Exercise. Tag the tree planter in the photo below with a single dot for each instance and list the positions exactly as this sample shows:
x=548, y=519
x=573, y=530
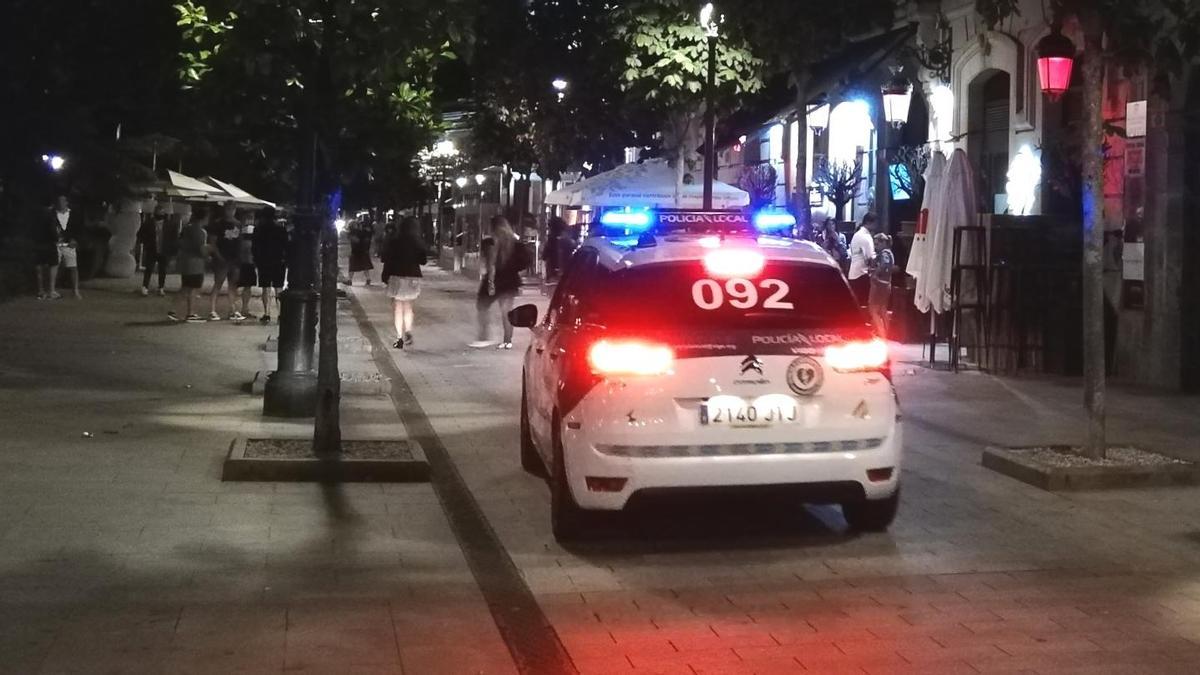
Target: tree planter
x=1063, y=468
x=291, y=460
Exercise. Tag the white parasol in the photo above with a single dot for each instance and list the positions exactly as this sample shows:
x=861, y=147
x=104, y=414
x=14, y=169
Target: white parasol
x=956, y=208
x=933, y=192
x=649, y=184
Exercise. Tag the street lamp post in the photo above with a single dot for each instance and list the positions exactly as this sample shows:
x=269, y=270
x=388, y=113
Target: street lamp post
x=479, y=180
x=710, y=25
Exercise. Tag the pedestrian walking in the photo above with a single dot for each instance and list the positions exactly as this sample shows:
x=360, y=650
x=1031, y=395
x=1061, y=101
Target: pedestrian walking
x=505, y=257
x=361, y=234
x=269, y=248
x=247, y=276
x=153, y=236
x=862, y=254
x=881, y=284
x=833, y=242
x=403, y=254
x=224, y=238
x=194, y=250
x=54, y=245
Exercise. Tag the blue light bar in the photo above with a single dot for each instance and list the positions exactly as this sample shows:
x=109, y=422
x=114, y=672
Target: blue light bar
x=773, y=220
x=627, y=219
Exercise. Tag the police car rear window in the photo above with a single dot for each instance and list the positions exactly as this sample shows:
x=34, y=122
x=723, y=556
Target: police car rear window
x=783, y=295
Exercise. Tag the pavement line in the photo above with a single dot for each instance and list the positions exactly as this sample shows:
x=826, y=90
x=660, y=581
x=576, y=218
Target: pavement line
x=525, y=629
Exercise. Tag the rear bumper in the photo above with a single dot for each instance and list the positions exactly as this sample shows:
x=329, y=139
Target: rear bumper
x=819, y=472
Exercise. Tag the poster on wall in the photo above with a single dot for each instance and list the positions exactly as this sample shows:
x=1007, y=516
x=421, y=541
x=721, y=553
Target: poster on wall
x=1135, y=119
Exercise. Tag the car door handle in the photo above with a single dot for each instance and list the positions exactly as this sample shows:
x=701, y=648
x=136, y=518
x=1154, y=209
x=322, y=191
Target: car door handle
x=539, y=349
x=555, y=353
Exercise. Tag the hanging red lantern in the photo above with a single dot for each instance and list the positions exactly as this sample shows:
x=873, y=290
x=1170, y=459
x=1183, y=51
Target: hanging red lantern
x=1055, y=61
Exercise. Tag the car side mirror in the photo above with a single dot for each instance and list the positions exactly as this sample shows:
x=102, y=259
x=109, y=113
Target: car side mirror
x=525, y=316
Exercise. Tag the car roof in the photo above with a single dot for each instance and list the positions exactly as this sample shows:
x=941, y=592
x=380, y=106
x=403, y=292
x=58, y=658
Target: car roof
x=623, y=253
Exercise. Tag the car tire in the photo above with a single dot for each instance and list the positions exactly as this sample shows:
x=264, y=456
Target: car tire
x=566, y=518
x=531, y=461
x=871, y=515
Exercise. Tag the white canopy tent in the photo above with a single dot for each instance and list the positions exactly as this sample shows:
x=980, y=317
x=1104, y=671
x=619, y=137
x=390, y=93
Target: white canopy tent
x=650, y=184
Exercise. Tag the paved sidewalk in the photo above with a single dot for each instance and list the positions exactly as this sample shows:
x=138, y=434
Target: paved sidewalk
x=122, y=551
x=979, y=574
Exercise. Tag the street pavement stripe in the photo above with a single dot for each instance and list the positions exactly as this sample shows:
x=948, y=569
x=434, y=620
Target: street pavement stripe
x=526, y=630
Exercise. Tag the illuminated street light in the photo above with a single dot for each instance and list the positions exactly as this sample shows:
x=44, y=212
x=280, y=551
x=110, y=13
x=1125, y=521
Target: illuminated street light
x=445, y=149
x=560, y=86
x=461, y=182
x=818, y=118
x=55, y=162
x=1055, y=61
x=480, y=178
x=897, y=96
x=339, y=224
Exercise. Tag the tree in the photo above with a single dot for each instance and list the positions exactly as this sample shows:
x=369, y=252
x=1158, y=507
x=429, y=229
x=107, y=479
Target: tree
x=907, y=169
x=793, y=37
x=666, y=65
x=1159, y=33
x=838, y=182
x=521, y=121
x=321, y=87
x=760, y=182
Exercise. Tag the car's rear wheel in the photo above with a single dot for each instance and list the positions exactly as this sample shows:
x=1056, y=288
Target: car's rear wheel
x=530, y=460
x=871, y=515
x=566, y=518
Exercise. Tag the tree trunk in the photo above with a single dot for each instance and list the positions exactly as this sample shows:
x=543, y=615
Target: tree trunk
x=327, y=431
x=802, y=206
x=1093, y=232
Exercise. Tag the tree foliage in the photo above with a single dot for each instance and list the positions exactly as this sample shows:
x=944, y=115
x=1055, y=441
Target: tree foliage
x=358, y=74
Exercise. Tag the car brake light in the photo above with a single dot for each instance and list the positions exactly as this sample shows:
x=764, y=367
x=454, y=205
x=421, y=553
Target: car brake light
x=630, y=357
x=733, y=263
x=857, y=356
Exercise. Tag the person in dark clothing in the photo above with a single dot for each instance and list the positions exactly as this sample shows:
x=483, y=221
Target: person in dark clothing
x=153, y=237
x=268, y=248
x=504, y=257
x=403, y=255
x=361, y=234
x=224, y=236
x=55, y=244
x=559, y=247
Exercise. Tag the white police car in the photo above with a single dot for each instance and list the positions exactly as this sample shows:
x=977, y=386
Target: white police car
x=698, y=351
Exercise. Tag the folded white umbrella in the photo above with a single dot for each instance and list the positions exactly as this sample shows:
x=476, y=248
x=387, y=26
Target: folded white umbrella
x=650, y=184
x=933, y=192
x=957, y=208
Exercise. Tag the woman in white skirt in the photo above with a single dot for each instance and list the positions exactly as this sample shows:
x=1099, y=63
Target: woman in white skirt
x=403, y=255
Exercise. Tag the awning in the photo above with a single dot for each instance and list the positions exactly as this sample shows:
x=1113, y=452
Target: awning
x=648, y=184
x=237, y=195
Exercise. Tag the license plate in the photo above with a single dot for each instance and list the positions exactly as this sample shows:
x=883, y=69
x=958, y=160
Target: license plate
x=748, y=415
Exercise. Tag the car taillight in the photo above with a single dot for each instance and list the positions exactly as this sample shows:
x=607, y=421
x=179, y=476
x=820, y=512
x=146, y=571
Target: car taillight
x=630, y=357
x=858, y=356
x=728, y=263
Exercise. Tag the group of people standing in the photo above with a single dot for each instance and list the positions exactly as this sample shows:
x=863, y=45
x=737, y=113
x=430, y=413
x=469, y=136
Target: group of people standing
x=868, y=263
x=240, y=252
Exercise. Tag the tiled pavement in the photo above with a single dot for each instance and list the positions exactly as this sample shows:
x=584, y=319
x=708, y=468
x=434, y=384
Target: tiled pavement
x=123, y=552
x=979, y=574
